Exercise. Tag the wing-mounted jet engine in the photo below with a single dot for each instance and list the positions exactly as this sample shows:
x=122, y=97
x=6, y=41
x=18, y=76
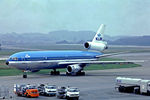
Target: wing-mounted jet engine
x=75, y=69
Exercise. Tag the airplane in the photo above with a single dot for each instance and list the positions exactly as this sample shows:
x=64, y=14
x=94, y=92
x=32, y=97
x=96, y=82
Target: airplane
x=73, y=61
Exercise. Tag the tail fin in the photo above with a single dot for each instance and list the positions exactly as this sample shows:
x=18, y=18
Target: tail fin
x=99, y=35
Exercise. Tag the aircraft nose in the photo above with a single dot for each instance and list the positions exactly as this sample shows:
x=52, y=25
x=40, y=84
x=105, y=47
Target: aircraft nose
x=7, y=62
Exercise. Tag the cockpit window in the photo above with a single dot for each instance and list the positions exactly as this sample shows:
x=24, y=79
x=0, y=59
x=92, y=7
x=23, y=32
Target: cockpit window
x=15, y=58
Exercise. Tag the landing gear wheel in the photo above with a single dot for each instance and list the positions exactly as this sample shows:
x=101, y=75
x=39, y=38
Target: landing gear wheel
x=83, y=73
x=68, y=74
x=80, y=73
x=52, y=72
x=55, y=72
x=24, y=76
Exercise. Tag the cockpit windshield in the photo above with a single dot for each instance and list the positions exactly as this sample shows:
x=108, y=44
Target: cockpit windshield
x=73, y=90
x=13, y=58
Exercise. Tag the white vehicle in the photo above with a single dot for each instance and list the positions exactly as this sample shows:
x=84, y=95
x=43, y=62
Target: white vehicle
x=72, y=93
x=130, y=85
x=49, y=90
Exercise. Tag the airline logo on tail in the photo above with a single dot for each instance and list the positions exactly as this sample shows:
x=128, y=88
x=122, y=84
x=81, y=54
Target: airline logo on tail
x=99, y=34
x=99, y=38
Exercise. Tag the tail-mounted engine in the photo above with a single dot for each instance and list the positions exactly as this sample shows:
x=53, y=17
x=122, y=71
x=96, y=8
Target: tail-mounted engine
x=97, y=43
x=98, y=46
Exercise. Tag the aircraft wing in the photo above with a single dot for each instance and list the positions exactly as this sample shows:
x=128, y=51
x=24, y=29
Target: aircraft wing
x=100, y=62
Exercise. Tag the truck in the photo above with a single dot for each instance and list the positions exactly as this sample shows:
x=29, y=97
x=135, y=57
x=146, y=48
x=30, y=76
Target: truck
x=47, y=90
x=133, y=85
x=26, y=90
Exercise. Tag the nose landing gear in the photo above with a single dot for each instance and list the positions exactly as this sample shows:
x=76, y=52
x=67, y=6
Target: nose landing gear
x=24, y=74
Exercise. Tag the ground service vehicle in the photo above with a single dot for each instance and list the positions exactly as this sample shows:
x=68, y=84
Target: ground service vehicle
x=69, y=93
x=61, y=92
x=45, y=89
x=72, y=93
x=138, y=86
x=26, y=90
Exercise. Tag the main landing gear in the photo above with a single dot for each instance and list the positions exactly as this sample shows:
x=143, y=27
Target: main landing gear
x=76, y=73
x=55, y=72
x=24, y=74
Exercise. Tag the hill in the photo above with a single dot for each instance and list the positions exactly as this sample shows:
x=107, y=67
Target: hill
x=68, y=37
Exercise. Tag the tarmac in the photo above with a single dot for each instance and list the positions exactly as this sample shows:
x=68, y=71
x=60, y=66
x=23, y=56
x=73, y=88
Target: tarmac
x=96, y=85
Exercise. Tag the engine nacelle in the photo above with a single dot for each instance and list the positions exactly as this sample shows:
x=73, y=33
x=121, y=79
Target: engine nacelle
x=98, y=46
x=74, y=68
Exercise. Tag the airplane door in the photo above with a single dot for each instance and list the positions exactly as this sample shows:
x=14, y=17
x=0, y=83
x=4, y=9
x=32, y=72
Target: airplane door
x=27, y=66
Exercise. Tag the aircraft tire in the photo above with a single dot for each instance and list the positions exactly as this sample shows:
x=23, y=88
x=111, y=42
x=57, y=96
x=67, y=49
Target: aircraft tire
x=24, y=76
x=52, y=73
x=68, y=74
x=57, y=73
x=83, y=73
x=80, y=74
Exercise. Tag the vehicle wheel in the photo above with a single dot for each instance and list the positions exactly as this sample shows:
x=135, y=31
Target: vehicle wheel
x=11, y=97
x=67, y=97
x=28, y=95
x=136, y=90
x=77, y=98
x=148, y=92
x=24, y=76
x=121, y=89
x=45, y=94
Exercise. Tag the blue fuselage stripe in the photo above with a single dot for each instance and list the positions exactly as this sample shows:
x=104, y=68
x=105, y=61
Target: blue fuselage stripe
x=52, y=55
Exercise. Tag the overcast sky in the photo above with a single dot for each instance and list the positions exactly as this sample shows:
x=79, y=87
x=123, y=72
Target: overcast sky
x=122, y=17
